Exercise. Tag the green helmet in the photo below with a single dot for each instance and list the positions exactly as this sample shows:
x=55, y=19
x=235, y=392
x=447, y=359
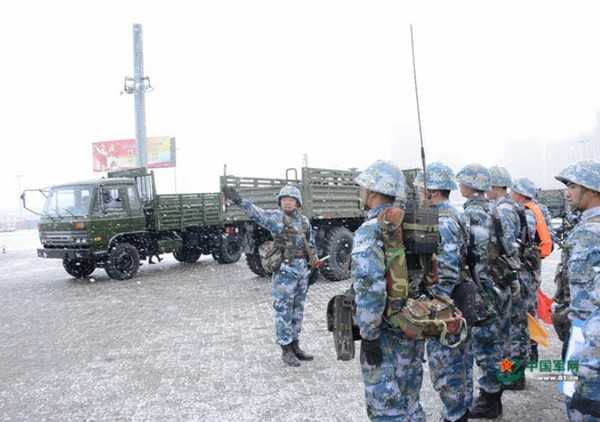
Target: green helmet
x=525, y=187
x=290, y=191
x=500, y=177
x=585, y=173
x=439, y=177
x=475, y=176
x=384, y=177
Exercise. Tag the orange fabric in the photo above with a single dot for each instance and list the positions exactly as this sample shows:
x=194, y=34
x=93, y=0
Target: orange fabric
x=541, y=228
x=544, y=305
x=537, y=332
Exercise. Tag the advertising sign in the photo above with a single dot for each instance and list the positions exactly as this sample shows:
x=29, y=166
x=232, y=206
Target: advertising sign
x=120, y=154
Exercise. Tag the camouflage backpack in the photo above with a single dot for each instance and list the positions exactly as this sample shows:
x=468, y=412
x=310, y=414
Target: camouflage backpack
x=423, y=316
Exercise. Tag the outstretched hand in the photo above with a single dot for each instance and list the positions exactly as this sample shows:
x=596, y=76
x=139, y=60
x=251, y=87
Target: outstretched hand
x=232, y=194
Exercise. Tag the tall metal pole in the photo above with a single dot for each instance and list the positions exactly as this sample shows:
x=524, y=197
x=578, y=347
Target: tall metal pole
x=20, y=225
x=141, y=154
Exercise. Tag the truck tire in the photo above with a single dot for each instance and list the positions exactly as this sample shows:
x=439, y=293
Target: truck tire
x=229, y=252
x=123, y=262
x=79, y=268
x=187, y=254
x=253, y=261
x=338, y=245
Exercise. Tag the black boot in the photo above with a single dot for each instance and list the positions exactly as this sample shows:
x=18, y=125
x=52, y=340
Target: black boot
x=300, y=354
x=463, y=418
x=288, y=355
x=487, y=405
x=516, y=385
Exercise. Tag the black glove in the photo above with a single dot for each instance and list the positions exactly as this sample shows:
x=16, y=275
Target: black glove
x=585, y=406
x=371, y=350
x=232, y=194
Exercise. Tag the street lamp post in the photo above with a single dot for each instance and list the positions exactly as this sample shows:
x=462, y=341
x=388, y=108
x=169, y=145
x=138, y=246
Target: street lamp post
x=20, y=224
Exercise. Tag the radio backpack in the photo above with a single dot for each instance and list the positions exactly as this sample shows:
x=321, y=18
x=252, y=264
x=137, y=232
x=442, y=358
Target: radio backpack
x=426, y=316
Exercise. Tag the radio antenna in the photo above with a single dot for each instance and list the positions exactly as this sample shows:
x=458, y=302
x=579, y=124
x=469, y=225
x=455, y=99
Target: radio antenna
x=412, y=44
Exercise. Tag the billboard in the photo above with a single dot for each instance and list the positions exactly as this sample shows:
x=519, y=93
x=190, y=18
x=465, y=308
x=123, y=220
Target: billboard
x=120, y=154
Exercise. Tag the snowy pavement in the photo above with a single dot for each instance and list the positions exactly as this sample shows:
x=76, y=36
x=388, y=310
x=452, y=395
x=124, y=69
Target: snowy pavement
x=184, y=342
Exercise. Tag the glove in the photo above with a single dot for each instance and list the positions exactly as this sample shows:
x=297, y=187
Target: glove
x=371, y=350
x=515, y=291
x=232, y=194
x=585, y=406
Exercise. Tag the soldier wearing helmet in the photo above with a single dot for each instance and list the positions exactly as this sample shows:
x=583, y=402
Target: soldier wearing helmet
x=390, y=361
x=488, y=340
x=447, y=365
x=290, y=283
x=511, y=216
x=583, y=244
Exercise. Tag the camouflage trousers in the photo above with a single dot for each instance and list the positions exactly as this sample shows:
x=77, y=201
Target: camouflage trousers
x=489, y=340
x=520, y=343
x=289, y=289
x=392, y=389
x=448, y=372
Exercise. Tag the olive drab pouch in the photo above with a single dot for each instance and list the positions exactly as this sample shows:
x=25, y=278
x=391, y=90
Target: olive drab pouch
x=432, y=316
x=271, y=256
x=531, y=257
x=341, y=310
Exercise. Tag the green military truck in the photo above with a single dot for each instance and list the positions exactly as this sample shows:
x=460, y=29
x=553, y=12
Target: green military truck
x=115, y=222
x=331, y=201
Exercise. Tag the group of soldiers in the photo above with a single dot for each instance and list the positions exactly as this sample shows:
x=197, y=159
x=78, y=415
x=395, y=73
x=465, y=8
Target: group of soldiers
x=391, y=361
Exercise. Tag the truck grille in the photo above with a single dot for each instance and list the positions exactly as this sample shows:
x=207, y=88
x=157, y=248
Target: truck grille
x=64, y=239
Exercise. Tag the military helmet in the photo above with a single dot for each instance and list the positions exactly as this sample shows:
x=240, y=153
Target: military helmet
x=585, y=173
x=475, y=176
x=500, y=177
x=384, y=177
x=439, y=177
x=525, y=187
x=290, y=191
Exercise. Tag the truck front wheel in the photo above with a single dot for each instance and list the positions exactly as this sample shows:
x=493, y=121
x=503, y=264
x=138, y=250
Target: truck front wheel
x=79, y=268
x=123, y=262
x=338, y=245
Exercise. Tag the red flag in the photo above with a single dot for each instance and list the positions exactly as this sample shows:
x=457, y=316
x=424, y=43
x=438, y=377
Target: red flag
x=544, y=307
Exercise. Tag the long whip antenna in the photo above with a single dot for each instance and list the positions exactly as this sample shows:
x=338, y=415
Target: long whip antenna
x=412, y=44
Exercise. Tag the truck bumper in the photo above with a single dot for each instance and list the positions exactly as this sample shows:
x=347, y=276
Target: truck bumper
x=65, y=253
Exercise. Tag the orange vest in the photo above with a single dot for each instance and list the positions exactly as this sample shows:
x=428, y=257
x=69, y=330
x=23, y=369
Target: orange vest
x=545, y=245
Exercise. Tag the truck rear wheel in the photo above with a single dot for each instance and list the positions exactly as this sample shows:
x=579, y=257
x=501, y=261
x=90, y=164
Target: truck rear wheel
x=123, y=262
x=79, y=268
x=253, y=261
x=229, y=252
x=187, y=254
x=338, y=245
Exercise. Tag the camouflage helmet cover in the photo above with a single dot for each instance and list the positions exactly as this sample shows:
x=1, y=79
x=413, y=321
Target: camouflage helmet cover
x=525, y=187
x=290, y=191
x=475, y=176
x=585, y=173
x=384, y=177
x=500, y=177
x=439, y=177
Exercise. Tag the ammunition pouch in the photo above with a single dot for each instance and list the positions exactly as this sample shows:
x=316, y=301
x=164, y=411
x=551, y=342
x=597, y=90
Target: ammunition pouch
x=531, y=257
x=341, y=310
x=504, y=270
x=475, y=305
x=427, y=317
x=271, y=256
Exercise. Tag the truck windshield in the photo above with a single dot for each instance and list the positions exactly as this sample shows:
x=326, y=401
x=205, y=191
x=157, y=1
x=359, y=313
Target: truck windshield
x=68, y=201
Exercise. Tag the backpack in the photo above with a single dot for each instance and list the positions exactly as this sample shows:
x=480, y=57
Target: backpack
x=423, y=316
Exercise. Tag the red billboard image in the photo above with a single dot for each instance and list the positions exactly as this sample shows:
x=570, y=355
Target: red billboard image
x=120, y=154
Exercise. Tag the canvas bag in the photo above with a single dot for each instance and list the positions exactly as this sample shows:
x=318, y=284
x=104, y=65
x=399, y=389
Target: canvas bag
x=428, y=316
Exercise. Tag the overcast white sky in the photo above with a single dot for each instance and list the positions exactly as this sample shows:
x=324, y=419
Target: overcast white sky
x=257, y=84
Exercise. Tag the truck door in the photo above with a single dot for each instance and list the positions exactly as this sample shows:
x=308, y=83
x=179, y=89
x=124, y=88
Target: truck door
x=110, y=211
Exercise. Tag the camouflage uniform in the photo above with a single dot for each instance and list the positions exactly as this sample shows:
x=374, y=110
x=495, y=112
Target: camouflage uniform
x=583, y=244
x=391, y=388
x=489, y=339
x=290, y=283
x=447, y=366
